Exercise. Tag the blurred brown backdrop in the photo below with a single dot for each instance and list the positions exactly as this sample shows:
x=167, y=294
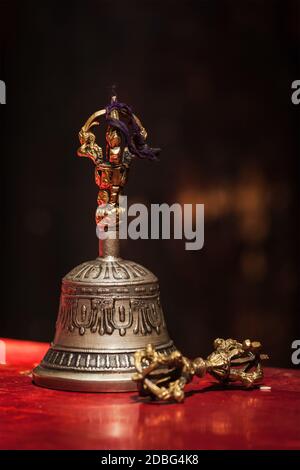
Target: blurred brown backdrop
x=212, y=83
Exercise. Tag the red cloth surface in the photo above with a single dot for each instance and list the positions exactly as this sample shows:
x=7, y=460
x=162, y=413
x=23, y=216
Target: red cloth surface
x=37, y=418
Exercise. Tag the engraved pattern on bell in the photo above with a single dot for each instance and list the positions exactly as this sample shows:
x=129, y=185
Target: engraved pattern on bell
x=108, y=310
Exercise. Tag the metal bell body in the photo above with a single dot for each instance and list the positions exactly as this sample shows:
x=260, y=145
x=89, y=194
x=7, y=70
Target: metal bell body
x=109, y=308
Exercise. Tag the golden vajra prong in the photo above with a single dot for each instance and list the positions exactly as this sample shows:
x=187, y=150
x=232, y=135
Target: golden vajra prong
x=125, y=140
x=164, y=376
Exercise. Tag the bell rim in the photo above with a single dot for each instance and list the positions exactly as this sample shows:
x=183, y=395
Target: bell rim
x=83, y=382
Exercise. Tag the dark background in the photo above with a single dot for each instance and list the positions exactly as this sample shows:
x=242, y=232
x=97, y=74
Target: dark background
x=211, y=81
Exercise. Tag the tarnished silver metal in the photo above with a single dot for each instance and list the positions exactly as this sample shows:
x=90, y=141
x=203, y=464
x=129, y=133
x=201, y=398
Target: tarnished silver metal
x=109, y=309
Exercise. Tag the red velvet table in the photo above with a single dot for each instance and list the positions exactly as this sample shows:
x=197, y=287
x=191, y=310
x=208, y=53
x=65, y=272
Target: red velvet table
x=210, y=418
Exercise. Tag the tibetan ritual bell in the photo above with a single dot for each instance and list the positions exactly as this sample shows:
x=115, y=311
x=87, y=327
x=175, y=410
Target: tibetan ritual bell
x=109, y=307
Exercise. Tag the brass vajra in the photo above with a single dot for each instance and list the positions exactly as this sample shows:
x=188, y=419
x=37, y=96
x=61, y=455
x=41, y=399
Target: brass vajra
x=164, y=376
x=125, y=140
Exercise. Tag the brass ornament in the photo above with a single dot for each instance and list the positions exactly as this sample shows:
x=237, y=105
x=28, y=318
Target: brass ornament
x=109, y=307
x=163, y=376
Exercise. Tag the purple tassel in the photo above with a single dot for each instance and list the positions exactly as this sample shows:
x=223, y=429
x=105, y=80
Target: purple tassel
x=130, y=131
